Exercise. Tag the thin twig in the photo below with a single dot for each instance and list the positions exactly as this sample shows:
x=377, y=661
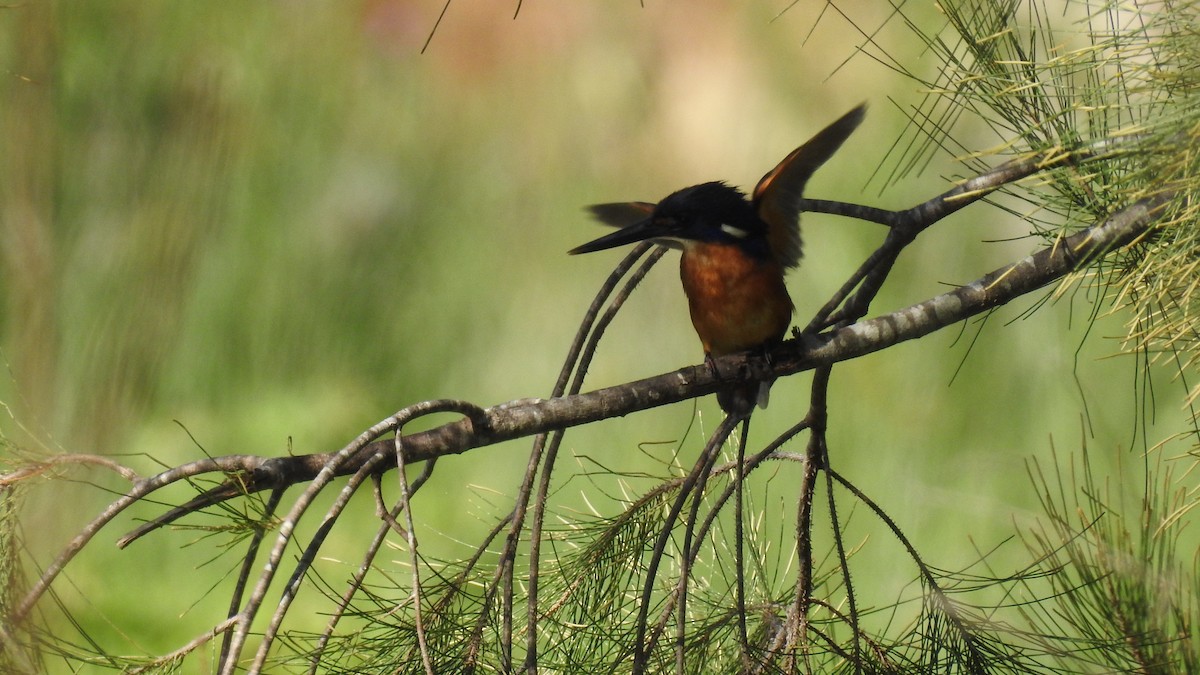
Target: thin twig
x=844, y=563
x=977, y=658
x=739, y=563
x=814, y=459
x=414, y=559
x=555, y=441
x=192, y=645
x=389, y=524
x=239, y=588
x=303, y=565
x=505, y=569
x=641, y=649
x=287, y=528
x=769, y=452
x=45, y=464
x=687, y=559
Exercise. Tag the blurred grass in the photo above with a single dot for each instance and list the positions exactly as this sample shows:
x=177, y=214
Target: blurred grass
x=278, y=221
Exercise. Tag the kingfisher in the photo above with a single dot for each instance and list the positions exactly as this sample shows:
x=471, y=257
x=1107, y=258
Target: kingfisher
x=735, y=251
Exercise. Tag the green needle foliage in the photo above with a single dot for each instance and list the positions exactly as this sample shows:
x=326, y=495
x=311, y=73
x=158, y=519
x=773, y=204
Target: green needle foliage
x=1119, y=80
x=1123, y=597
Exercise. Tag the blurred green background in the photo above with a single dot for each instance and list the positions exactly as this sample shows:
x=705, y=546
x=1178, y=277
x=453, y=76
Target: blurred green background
x=273, y=224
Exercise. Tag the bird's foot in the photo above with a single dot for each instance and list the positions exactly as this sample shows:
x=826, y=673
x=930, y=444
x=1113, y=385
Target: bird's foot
x=712, y=365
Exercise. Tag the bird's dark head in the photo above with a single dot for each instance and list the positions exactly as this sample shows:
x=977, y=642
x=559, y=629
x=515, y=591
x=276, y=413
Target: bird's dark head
x=709, y=212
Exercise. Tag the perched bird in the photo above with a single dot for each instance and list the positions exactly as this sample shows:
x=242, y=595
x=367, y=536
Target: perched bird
x=735, y=251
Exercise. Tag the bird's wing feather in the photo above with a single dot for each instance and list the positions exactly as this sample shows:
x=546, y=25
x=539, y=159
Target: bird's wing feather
x=621, y=214
x=777, y=195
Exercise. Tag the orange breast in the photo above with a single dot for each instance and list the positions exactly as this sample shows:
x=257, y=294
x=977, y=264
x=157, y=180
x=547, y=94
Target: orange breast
x=737, y=302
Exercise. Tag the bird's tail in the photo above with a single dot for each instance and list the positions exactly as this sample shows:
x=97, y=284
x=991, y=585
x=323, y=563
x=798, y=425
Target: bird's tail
x=741, y=398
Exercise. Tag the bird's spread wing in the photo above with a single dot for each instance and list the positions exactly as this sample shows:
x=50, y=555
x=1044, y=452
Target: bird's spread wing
x=621, y=214
x=777, y=196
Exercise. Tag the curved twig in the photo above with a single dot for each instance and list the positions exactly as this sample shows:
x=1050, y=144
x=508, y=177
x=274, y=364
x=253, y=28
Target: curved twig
x=977, y=658
x=414, y=560
x=688, y=558
x=578, y=356
x=844, y=563
x=287, y=527
x=239, y=589
x=555, y=441
x=699, y=471
x=389, y=524
x=745, y=467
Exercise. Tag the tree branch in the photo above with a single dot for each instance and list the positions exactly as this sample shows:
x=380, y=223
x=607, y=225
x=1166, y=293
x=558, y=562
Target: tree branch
x=525, y=417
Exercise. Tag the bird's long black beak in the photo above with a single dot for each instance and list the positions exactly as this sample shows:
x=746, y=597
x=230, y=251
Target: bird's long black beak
x=639, y=231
